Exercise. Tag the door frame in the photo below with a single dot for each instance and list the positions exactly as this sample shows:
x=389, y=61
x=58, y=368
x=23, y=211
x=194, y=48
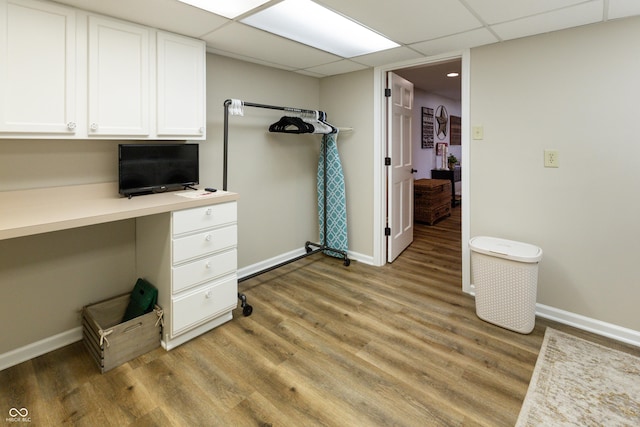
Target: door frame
x=379, y=152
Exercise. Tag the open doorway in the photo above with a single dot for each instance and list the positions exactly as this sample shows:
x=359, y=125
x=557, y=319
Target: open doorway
x=430, y=96
x=437, y=113
x=461, y=98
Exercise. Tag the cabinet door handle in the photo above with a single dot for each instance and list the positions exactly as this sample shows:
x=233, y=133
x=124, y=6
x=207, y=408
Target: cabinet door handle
x=94, y=126
x=71, y=125
x=201, y=130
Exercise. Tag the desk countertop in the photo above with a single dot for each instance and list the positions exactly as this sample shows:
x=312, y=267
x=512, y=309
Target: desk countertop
x=42, y=210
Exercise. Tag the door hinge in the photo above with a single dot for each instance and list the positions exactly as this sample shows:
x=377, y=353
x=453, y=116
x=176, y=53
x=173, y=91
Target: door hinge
x=387, y=161
x=387, y=92
x=387, y=231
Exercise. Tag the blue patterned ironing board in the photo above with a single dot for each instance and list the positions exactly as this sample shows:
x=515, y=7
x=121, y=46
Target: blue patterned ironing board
x=336, y=237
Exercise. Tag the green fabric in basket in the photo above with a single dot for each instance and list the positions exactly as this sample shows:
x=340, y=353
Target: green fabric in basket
x=143, y=298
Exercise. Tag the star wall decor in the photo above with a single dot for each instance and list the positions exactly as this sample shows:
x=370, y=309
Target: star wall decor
x=442, y=117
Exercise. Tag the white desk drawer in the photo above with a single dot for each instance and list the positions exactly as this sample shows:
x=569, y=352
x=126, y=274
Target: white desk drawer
x=204, y=217
x=205, y=303
x=204, y=269
x=209, y=241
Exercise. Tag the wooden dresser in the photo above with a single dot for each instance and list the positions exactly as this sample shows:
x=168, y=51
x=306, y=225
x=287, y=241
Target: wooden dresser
x=432, y=200
x=454, y=176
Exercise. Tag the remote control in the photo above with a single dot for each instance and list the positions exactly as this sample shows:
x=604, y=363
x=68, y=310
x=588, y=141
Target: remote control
x=210, y=190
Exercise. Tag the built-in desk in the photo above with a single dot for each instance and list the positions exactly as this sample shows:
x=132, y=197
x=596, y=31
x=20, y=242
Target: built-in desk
x=29, y=212
x=185, y=244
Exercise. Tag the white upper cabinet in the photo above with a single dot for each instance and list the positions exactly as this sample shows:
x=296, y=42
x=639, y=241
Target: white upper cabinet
x=181, y=86
x=68, y=73
x=119, y=78
x=37, y=68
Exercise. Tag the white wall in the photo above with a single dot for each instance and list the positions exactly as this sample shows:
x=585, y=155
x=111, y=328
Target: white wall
x=274, y=173
x=29, y=163
x=348, y=99
x=576, y=91
x=45, y=280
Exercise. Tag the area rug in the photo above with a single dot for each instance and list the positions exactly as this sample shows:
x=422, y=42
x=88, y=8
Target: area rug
x=579, y=383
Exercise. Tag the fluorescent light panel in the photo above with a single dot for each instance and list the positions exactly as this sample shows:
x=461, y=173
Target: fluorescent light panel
x=229, y=9
x=307, y=22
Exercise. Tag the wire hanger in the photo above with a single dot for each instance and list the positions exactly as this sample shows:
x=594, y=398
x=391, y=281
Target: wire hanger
x=309, y=122
x=291, y=124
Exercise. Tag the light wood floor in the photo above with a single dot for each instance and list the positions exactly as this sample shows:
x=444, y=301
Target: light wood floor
x=326, y=345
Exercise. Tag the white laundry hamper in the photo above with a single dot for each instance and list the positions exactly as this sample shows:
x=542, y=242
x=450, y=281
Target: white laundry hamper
x=505, y=276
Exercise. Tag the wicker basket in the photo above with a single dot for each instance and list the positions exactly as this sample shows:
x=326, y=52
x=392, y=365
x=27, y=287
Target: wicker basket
x=505, y=291
x=112, y=342
x=432, y=200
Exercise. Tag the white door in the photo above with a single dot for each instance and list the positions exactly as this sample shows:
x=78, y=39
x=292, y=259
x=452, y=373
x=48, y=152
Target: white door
x=400, y=169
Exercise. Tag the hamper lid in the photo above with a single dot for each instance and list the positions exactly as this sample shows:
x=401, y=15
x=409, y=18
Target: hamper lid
x=508, y=249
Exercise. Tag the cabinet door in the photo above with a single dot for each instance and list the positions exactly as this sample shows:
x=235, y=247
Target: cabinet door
x=118, y=78
x=181, y=86
x=37, y=60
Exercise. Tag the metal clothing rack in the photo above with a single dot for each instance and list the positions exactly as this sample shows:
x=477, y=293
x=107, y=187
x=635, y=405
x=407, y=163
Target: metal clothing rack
x=319, y=247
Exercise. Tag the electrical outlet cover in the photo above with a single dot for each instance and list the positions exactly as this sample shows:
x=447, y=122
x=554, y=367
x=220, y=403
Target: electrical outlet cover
x=551, y=158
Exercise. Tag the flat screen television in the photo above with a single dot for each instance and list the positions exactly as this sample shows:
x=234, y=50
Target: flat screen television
x=156, y=168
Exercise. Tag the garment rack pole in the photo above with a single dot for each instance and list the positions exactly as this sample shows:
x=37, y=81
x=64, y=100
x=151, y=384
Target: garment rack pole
x=320, y=247
x=227, y=103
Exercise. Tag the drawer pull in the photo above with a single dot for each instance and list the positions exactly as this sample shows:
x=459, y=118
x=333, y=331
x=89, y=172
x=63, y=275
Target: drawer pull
x=208, y=264
x=207, y=237
x=209, y=211
x=207, y=294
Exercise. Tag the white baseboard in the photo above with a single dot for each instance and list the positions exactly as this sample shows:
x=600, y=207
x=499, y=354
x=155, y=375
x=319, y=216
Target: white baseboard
x=609, y=330
x=365, y=259
x=38, y=348
x=598, y=327
x=268, y=263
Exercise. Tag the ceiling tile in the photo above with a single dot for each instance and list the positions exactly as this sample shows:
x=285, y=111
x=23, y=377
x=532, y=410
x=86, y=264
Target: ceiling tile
x=252, y=43
x=409, y=21
x=496, y=11
x=425, y=27
x=249, y=59
x=623, y=8
x=169, y=15
x=461, y=41
x=388, y=56
x=311, y=74
x=586, y=13
x=338, y=67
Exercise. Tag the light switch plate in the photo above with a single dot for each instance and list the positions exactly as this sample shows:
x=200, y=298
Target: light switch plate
x=477, y=132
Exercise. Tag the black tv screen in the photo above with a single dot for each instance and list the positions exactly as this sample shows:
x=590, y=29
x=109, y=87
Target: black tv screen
x=156, y=168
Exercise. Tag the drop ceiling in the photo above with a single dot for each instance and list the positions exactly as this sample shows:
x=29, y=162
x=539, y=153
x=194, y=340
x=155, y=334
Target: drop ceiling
x=423, y=28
